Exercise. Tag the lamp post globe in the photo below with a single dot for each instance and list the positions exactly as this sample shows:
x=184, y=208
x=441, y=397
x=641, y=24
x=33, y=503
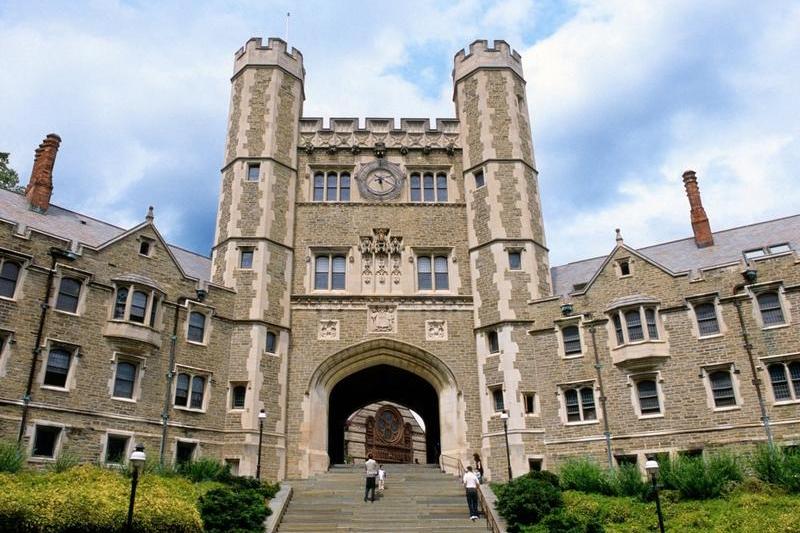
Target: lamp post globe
x=137, y=460
x=262, y=415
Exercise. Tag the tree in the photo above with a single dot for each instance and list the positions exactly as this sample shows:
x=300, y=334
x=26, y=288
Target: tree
x=9, y=179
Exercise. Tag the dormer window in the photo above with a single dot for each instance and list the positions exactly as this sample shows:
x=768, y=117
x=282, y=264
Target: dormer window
x=145, y=247
x=623, y=268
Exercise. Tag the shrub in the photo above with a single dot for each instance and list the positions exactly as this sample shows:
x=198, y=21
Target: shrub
x=205, y=469
x=563, y=521
x=12, y=457
x=698, y=478
x=585, y=475
x=240, y=511
x=546, y=476
x=627, y=481
x=64, y=462
x=525, y=500
x=266, y=489
x=778, y=467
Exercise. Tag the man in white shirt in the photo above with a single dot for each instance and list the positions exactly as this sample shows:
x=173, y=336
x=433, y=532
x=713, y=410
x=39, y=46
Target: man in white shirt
x=471, y=483
x=371, y=470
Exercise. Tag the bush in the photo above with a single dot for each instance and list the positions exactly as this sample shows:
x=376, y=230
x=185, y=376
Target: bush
x=627, y=481
x=240, y=511
x=267, y=490
x=205, y=469
x=700, y=479
x=585, y=475
x=778, y=467
x=563, y=521
x=546, y=476
x=64, y=462
x=526, y=500
x=12, y=457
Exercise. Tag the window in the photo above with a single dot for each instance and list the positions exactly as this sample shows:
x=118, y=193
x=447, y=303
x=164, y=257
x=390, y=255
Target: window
x=125, y=380
x=271, y=342
x=116, y=449
x=329, y=272
x=184, y=452
x=494, y=343
x=635, y=325
x=136, y=305
x=572, y=340
x=332, y=187
x=238, y=394
x=57, y=368
x=45, y=441
x=432, y=273
x=579, y=404
x=647, y=392
x=707, y=323
x=428, y=187
x=752, y=254
x=197, y=327
x=497, y=400
x=479, y=182
x=253, y=171
x=9, y=275
x=624, y=268
x=246, y=258
x=769, y=305
x=785, y=378
x=190, y=391
x=145, y=247
x=529, y=398
x=233, y=465
x=722, y=388
x=69, y=292
x=779, y=248
x=515, y=260
x=626, y=460
x=534, y=465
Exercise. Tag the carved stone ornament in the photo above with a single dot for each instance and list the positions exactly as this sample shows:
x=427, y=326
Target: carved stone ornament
x=436, y=330
x=328, y=330
x=380, y=180
x=382, y=319
x=380, y=257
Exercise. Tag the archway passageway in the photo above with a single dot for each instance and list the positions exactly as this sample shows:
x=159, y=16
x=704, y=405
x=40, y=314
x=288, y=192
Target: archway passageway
x=382, y=383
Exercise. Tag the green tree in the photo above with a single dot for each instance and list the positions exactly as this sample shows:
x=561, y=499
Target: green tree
x=9, y=179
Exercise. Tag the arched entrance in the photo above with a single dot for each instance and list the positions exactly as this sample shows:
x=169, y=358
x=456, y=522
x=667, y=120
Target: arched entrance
x=374, y=370
x=376, y=383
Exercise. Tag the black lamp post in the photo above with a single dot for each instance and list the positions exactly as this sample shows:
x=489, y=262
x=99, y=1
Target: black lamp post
x=651, y=467
x=504, y=418
x=137, y=460
x=261, y=416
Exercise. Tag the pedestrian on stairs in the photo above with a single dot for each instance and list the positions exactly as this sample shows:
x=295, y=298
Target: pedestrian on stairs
x=371, y=470
x=381, y=479
x=471, y=483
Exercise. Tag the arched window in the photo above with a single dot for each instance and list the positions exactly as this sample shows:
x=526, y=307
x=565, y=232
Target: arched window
x=182, y=390
x=198, y=390
x=648, y=397
x=769, y=304
x=706, y=314
x=416, y=187
x=572, y=340
x=579, y=404
x=9, y=275
x=197, y=327
x=58, y=361
x=238, y=395
x=138, y=307
x=634, y=321
x=319, y=187
x=124, y=380
x=722, y=388
x=69, y=291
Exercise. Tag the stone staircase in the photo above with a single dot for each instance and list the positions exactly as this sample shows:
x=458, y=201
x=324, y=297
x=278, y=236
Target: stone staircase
x=417, y=498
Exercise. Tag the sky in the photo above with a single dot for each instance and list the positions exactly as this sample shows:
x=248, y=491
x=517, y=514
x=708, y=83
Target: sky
x=624, y=96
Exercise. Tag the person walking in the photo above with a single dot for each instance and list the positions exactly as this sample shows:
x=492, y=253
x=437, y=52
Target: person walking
x=471, y=483
x=478, y=465
x=371, y=471
x=381, y=479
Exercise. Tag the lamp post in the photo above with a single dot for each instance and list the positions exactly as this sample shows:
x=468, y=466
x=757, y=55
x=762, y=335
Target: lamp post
x=504, y=418
x=137, y=460
x=651, y=467
x=261, y=416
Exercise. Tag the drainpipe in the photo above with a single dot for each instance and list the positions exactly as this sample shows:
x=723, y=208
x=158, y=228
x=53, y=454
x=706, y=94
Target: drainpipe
x=756, y=381
x=55, y=254
x=598, y=367
x=170, y=377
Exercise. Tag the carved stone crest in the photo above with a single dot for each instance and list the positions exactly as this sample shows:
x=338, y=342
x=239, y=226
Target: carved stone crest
x=328, y=330
x=436, y=330
x=382, y=319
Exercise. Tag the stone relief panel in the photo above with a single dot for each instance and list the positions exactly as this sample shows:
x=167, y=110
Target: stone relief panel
x=382, y=319
x=381, y=254
x=328, y=330
x=436, y=330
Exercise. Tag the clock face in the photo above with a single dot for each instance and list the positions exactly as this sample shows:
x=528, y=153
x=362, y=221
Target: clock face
x=381, y=182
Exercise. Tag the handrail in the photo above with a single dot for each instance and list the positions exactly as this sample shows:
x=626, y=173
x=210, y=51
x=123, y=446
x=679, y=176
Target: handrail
x=455, y=462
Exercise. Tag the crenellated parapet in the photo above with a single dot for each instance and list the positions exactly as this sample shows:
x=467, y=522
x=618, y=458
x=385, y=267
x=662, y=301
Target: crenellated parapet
x=480, y=55
x=275, y=53
x=347, y=134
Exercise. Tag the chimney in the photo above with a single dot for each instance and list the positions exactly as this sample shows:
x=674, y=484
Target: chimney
x=40, y=187
x=700, y=225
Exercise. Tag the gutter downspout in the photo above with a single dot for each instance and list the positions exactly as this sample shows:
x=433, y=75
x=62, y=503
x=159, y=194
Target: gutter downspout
x=170, y=377
x=598, y=367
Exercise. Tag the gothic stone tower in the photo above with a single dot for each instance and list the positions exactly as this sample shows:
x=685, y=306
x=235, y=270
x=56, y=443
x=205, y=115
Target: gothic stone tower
x=253, y=248
x=508, y=256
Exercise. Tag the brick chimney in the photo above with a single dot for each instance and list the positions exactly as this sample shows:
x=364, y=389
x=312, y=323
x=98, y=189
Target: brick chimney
x=40, y=187
x=700, y=225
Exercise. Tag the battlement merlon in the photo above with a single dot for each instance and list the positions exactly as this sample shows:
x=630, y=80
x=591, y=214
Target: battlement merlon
x=380, y=126
x=482, y=56
x=253, y=53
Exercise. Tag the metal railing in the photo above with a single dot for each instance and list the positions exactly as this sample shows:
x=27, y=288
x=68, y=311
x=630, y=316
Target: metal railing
x=449, y=464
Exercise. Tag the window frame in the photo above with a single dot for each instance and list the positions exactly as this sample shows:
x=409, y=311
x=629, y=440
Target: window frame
x=57, y=444
x=232, y=386
x=330, y=255
x=780, y=307
x=21, y=264
x=696, y=320
x=633, y=382
x=561, y=327
x=195, y=449
x=81, y=281
x=6, y=341
x=69, y=377
x=207, y=314
x=578, y=388
x=128, y=436
x=530, y=399
x=275, y=338
x=193, y=374
x=733, y=372
x=150, y=246
x=253, y=165
x=246, y=251
x=153, y=308
x=791, y=383
x=343, y=181
x=619, y=317
x=496, y=391
x=479, y=178
x=514, y=252
x=139, y=364
x=420, y=178
x=432, y=257
x=493, y=341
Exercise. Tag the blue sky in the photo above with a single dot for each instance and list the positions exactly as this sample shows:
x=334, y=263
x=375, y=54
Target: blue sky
x=624, y=97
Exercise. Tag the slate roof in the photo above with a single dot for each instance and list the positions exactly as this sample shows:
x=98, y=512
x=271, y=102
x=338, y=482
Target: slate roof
x=683, y=255
x=83, y=229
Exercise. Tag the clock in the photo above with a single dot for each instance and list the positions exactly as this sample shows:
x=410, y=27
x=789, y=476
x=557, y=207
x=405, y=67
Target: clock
x=380, y=180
